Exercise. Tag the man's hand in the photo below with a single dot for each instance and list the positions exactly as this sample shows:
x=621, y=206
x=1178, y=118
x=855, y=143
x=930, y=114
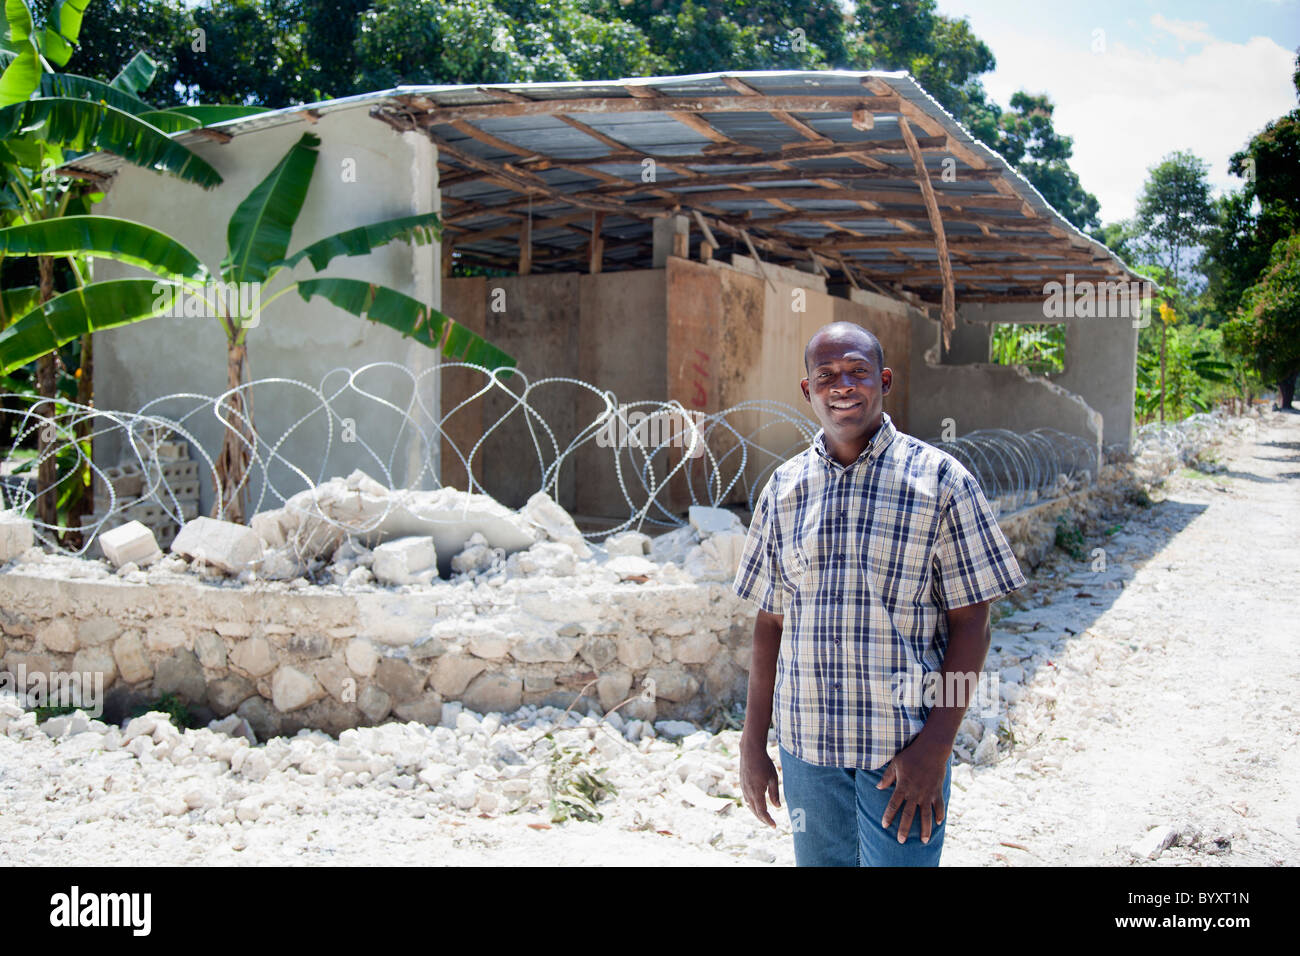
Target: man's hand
x=916, y=773
x=758, y=780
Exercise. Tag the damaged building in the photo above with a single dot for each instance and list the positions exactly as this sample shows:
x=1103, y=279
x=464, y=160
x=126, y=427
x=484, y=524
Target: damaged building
x=660, y=239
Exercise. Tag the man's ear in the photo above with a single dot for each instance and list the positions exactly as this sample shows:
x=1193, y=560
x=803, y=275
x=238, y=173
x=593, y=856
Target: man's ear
x=804, y=386
x=886, y=380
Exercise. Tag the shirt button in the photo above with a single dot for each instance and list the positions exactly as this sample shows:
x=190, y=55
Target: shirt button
x=837, y=640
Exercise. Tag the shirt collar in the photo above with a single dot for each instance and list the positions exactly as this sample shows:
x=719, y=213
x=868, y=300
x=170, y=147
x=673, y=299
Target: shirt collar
x=879, y=442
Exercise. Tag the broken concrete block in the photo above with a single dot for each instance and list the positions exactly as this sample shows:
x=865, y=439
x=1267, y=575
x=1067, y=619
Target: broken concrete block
x=15, y=535
x=710, y=521
x=132, y=543
x=269, y=527
x=402, y=561
x=543, y=513
x=222, y=544
x=631, y=543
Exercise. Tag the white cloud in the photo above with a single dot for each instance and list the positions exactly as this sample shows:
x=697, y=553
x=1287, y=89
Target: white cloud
x=1182, y=30
x=1127, y=108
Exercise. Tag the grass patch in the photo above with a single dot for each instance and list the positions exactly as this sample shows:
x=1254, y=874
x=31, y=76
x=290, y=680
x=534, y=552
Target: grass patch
x=1069, y=537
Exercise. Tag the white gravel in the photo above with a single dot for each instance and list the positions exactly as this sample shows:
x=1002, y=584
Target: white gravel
x=1156, y=694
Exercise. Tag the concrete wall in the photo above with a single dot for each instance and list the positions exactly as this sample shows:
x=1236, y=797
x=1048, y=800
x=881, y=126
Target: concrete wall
x=709, y=336
x=606, y=329
x=395, y=175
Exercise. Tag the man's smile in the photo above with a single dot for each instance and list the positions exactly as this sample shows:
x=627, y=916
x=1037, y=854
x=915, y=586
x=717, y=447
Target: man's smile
x=845, y=404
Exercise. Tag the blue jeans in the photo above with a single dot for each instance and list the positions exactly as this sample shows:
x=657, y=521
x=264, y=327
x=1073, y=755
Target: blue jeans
x=835, y=813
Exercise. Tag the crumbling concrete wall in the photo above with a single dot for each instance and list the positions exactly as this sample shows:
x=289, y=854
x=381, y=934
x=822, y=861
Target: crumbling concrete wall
x=1100, y=358
x=395, y=175
x=985, y=395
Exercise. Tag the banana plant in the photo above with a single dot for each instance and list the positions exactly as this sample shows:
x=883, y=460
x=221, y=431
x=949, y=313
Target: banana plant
x=257, y=238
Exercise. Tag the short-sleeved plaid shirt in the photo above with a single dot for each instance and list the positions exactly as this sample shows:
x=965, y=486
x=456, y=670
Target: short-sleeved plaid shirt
x=863, y=562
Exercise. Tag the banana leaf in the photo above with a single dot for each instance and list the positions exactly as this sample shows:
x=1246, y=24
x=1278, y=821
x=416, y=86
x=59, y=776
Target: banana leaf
x=104, y=237
x=101, y=305
x=363, y=240
x=410, y=317
x=259, y=231
x=84, y=125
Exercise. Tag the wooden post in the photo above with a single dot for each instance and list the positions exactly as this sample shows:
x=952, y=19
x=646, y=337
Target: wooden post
x=596, y=250
x=949, y=313
x=526, y=245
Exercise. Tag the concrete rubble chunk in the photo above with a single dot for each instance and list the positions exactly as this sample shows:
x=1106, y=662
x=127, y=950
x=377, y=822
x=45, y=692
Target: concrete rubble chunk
x=631, y=566
x=549, y=558
x=477, y=556
x=280, y=564
x=229, y=547
x=410, y=560
x=675, y=545
x=269, y=526
x=717, y=558
x=554, y=522
x=16, y=535
x=710, y=521
x=632, y=543
x=131, y=543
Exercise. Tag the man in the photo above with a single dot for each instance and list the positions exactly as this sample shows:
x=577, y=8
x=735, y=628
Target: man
x=873, y=558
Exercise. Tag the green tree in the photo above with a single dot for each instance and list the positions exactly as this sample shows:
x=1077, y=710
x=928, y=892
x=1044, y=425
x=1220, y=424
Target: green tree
x=1173, y=220
x=1253, y=220
x=1029, y=141
x=1266, y=329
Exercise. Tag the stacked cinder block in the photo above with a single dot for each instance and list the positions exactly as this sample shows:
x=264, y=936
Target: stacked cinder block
x=170, y=482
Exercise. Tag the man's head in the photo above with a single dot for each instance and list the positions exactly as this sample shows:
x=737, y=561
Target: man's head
x=847, y=381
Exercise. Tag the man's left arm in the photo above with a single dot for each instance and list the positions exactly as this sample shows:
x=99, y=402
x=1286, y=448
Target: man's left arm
x=973, y=566
x=917, y=771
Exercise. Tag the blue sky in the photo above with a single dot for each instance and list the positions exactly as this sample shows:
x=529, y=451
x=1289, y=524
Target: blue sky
x=1133, y=81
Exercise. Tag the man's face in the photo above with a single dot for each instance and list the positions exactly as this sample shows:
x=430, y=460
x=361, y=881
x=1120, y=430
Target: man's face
x=844, y=386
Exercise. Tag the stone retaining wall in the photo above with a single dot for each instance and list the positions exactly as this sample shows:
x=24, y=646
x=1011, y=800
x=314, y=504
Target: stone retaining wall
x=286, y=659
x=332, y=658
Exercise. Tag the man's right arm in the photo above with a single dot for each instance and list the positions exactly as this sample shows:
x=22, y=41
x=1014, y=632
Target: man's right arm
x=757, y=580
x=762, y=679
x=758, y=778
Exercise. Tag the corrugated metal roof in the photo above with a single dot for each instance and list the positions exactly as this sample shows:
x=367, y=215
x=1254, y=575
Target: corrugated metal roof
x=516, y=150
